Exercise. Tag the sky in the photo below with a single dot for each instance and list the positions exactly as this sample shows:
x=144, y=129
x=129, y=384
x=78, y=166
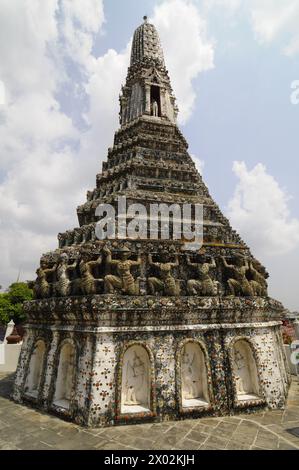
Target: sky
x=234, y=67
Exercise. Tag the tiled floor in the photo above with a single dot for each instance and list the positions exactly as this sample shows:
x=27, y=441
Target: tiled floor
x=25, y=428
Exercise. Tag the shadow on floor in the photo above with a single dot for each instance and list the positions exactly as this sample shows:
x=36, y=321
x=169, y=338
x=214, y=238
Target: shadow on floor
x=6, y=385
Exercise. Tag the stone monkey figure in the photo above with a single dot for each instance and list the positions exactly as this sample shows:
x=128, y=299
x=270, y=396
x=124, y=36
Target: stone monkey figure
x=166, y=284
x=258, y=283
x=124, y=280
x=85, y=234
x=88, y=283
x=204, y=285
x=42, y=287
x=77, y=236
x=61, y=239
x=238, y=283
x=64, y=284
x=69, y=237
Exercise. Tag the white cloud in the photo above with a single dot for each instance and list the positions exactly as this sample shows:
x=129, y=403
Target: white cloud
x=273, y=18
x=188, y=54
x=229, y=5
x=2, y=93
x=259, y=210
x=80, y=24
x=200, y=164
x=103, y=88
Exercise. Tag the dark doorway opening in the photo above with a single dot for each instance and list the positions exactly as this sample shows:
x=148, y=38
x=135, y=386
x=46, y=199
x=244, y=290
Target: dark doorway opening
x=155, y=97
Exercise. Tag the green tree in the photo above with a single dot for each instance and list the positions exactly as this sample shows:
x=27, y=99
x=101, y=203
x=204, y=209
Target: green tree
x=4, y=309
x=11, y=302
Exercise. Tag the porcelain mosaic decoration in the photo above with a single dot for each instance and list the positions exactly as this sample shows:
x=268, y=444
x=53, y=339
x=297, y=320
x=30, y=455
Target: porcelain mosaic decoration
x=124, y=331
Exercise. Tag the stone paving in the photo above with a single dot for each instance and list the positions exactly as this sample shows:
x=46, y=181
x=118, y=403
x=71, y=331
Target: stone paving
x=27, y=429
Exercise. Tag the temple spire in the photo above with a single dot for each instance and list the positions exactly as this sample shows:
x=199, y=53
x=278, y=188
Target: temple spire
x=148, y=90
x=146, y=44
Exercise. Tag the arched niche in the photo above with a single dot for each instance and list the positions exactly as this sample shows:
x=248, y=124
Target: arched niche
x=65, y=376
x=136, y=380
x=155, y=101
x=35, y=369
x=245, y=371
x=194, y=381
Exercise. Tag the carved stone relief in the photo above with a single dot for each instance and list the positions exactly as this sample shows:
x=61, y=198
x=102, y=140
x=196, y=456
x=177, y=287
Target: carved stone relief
x=35, y=370
x=194, y=376
x=245, y=371
x=135, y=394
x=65, y=376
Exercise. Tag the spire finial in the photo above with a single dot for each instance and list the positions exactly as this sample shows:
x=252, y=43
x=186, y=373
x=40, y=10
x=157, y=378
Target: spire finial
x=145, y=18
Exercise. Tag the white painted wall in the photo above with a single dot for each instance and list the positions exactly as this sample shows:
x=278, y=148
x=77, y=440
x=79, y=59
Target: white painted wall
x=9, y=353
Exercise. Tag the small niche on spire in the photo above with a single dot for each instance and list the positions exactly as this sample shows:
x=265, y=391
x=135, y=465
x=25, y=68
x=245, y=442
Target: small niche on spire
x=155, y=101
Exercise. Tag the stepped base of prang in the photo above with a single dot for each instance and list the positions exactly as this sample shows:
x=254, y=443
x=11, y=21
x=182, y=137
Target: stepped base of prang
x=101, y=328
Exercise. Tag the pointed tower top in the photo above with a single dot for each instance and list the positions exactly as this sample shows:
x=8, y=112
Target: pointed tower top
x=146, y=44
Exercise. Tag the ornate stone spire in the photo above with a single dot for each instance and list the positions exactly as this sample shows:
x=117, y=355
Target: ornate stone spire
x=147, y=91
x=124, y=307
x=146, y=44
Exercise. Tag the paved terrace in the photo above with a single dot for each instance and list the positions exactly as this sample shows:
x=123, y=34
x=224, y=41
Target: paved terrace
x=25, y=428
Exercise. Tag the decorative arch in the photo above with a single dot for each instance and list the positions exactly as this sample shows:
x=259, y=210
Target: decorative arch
x=35, y=369
x=194, y=375
x=65, y=378
x=245, y=373
x=135, y=381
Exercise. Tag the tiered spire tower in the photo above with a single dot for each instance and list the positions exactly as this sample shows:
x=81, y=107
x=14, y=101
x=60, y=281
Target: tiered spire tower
x=129, y=330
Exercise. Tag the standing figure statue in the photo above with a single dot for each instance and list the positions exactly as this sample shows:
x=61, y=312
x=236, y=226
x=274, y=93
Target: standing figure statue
x=239, y=365
x=258, y=283
x=88, y=283
x=189, y=381
x=135, y=383
x=123, y=281
x=238, y=284
x=42, y=287
x=204, y=285
x=166, y=284
x=155, y=109
x=64, y=284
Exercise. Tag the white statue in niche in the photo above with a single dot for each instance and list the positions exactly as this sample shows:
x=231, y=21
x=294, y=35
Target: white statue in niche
x=155, y=109
x=194, y=376
x=245, y=371
x=239, y=365
x=35, y=369
x=135, y=380
x=64, y=381
x=191, y=386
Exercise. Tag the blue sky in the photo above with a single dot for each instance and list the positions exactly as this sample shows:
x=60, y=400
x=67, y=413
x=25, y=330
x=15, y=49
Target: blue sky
x=231, y=62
